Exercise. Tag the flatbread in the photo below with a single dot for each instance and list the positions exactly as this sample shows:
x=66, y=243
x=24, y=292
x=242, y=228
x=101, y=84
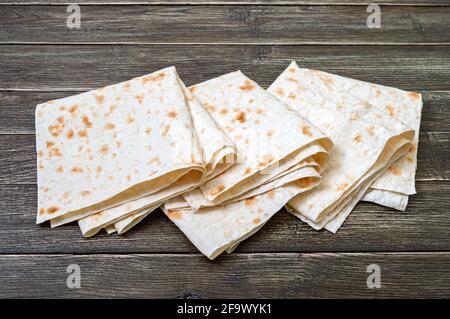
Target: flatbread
x=212, y=230
x=125, y=224
x=245, y=110
x=218, y=150
x=257, y=123
x=304, y=158
x=365, y=140
x=392, y=188
x=103, y=148
x=334, y=221
x=110, y=229
x=390, y=199
x=217, y=153
x=92, y=224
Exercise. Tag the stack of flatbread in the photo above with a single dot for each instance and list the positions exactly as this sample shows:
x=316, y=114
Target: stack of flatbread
x=374, y=128
x=222, y=157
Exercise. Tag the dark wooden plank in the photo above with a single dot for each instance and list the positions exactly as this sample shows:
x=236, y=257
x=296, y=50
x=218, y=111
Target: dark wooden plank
x=241, y=2
x=236, y=276
x=46, y=67
x=17, y=110
x=225, y=24
x=437, y=155
x=423, y=227
x=434, y=112
x=18, y=158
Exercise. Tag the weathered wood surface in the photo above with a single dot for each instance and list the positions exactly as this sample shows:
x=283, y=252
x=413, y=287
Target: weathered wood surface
x=423, y=227
x=281, y=275
x=225, y=24
x=17, y=110
x=205, y=39
x=241, y=2
x=80, y=67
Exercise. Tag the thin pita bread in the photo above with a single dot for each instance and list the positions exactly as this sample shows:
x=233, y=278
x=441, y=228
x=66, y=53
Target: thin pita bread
x=393, y=187
x=215, y=148
x=113, y=145
x=218, y=153
x=214, y=229
x=247, y=114
x=365, y=140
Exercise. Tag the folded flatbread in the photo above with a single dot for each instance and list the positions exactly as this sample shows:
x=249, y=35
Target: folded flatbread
x=218, y=154
x=255, y=190
x=393, y=187
x=110, y=146
x=307, y=178
x=366, y=141
x=213, y=230
x=258, y=124
x=273, y=178
x=178, y=203
x=110, y=229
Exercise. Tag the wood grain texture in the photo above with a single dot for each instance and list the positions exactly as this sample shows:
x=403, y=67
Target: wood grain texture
x=423, y=227
x=17, y=110
x=282, y=275
x=225, y=24
x=64, y=67
x=121, y=39
x=240, y=2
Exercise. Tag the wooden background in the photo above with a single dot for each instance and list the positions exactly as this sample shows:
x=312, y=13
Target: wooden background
x=41, y=59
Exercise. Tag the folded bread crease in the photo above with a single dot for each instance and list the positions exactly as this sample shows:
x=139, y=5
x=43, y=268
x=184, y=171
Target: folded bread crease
x=395, y=184
x=101, y=149
x=235, y=204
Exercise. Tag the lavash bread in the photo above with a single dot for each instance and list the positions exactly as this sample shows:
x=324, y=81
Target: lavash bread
x=92, y=224
x=306, y=168
x=393, y=187
x=256, y=198
x=216, y=149
x=110, y=229
x=305, y=179
x=386, y=198
x=277, y=177
x=224, y=156
x=332, y=223
x=247, y=112
x=100, y=149
x=125, y=224
x=257, y=123
x=214, y=229
x=365, y=140
x=218, y=153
